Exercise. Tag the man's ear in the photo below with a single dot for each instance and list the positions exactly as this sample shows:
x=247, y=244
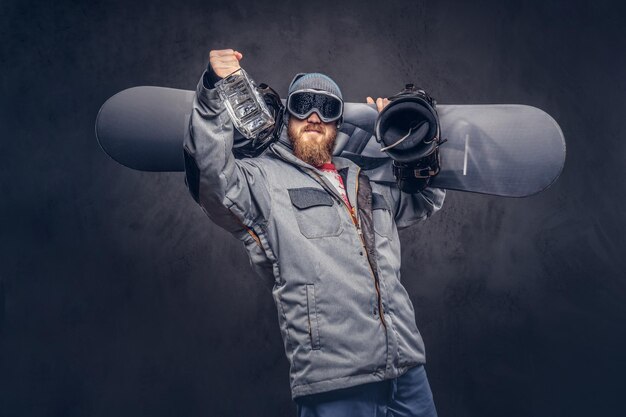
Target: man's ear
x=339, y=123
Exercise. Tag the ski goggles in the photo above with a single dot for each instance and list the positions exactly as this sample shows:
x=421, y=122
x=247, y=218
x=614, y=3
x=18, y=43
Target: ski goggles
x=302, y=103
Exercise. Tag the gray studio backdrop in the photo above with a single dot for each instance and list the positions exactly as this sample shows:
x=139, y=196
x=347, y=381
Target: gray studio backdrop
x=118, y=297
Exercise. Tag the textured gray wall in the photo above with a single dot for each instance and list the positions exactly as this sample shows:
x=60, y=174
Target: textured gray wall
x=118, y=297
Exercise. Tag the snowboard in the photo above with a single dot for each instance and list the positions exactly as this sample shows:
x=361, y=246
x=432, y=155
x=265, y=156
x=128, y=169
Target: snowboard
x=508, y=150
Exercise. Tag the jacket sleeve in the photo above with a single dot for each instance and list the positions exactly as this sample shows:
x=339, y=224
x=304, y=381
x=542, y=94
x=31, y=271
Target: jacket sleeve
x=233, y=193
x=411, y=208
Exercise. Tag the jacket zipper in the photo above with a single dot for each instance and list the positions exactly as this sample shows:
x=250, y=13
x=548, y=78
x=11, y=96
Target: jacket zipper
x=250, y=231
x=360, y=232
x=254, y=236
x=355, y=222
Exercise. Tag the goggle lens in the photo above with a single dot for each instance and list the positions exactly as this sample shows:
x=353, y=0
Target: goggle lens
x=302, y=104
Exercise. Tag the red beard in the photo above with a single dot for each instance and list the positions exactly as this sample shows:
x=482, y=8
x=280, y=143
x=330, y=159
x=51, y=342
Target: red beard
x=313, y=150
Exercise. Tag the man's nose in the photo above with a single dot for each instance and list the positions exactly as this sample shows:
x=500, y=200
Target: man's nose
x=313, y=118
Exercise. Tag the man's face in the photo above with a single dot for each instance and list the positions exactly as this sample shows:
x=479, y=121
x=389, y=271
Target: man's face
x=313, y=140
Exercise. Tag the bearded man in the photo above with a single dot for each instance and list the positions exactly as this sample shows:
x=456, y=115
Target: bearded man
x=326, y=239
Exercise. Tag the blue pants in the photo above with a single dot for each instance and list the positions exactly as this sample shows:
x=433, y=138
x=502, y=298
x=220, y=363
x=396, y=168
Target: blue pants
x=408, y=395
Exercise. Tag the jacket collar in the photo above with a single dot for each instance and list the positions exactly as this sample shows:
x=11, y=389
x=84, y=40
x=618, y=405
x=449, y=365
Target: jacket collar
x=286, y=154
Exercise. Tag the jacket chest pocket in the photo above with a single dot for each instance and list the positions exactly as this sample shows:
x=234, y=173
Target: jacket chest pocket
x=382, y=216
x=316, y=212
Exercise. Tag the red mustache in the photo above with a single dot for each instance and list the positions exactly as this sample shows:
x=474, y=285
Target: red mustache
x=313, y=128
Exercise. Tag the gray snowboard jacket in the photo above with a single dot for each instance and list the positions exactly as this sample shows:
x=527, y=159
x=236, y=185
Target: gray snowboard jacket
x=344, y=316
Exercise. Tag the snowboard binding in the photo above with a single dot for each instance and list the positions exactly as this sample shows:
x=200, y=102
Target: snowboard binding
x=410, y=133
x=251, y=148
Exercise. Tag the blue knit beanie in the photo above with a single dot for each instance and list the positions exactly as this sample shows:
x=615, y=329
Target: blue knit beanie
x=314, y=80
